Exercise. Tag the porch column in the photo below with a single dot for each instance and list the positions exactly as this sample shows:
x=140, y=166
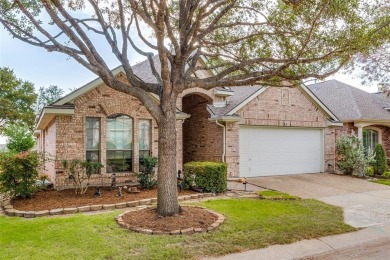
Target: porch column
x=360, y=132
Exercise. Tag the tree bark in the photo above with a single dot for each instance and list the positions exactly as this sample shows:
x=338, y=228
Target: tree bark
x=167, y=201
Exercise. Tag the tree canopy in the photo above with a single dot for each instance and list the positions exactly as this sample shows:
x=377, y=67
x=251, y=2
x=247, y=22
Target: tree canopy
x=17, y=99
x=199, y=43
x=47, y=96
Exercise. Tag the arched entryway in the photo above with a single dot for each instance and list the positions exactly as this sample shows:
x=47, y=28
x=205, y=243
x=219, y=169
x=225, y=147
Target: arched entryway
x=202, y=139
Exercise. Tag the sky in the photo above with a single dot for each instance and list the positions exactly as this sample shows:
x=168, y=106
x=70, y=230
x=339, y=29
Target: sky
x=42, y=68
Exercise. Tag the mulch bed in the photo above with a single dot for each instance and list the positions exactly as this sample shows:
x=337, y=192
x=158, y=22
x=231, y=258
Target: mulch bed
x=54, y=199
x=190, y=217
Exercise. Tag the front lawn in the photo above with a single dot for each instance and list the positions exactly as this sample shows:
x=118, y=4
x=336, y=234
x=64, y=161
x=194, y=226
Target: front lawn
x=249, y=224
x=382, y=181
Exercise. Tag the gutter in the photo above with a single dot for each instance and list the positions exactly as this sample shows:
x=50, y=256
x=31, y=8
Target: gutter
x=224, y=139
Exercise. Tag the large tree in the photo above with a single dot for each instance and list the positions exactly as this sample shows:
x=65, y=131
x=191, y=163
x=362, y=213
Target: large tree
x=242, y=42
x=46, y=96
x=17, y=98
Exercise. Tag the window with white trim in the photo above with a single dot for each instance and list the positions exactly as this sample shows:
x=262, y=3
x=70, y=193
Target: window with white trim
x=144, y=138
x=119, y=143
x=370, y=140
x=93, y=139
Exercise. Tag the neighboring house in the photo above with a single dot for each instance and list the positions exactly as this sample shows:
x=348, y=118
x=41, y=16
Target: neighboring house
x=257, y=131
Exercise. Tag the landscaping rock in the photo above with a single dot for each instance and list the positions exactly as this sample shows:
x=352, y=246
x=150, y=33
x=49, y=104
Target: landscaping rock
x=199, y=230
x=120, y=205
x=175, y=232
x=109, y=206
x=29, y=214
x=41, y=213
x=10, y=212
x=200, y=195
x=153, y=200
x=96, y=207
x=181, y=198
x=84, y=208
x=186, y=197
x=19, y=213
x=145, y=202
x=56, y=212
x=145, y=231
x=187, y=231
x=8, y=206
x=194, y=196
x=133, y=203
x=70, y=210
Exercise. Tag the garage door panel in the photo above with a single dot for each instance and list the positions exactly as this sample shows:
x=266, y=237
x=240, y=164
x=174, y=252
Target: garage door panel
x=278, y=151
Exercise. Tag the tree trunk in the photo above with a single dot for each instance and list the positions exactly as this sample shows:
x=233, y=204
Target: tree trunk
x=167, y=202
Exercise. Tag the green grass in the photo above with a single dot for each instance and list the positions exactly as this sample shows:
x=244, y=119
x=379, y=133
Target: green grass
x=249, y=224
x=382, y=181
x=276, y=195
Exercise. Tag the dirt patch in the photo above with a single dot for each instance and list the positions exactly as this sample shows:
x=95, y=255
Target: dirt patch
x=190, y=217
x=54, y=199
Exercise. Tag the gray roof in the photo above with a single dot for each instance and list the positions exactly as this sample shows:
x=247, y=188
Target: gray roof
x=349, y=103
x=240, y=95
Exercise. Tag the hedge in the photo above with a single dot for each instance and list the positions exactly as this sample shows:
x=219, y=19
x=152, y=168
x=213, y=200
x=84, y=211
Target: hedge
x=210, y=176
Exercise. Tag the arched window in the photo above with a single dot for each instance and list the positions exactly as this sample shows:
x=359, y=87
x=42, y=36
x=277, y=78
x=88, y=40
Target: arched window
x=119, y=143
x=370, y=140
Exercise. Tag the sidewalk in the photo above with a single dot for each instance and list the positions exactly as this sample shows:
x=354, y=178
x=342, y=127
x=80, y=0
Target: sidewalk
x=316, y=247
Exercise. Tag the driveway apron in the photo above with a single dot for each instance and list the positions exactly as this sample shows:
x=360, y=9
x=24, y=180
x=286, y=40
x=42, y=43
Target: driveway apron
x=364, y=203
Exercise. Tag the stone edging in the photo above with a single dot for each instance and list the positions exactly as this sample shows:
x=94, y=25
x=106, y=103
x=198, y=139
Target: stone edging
x=10, y=211
x=187, y=231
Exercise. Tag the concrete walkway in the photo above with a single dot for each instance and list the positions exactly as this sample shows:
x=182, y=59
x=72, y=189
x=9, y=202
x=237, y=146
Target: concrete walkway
x=322, y=248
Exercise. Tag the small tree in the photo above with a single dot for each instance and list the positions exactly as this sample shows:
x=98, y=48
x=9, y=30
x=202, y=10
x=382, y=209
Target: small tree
x=146, y=177
x=80, y=173
x=46, y=96
x=18, y=173
x=351, y=157
x=20, y=138
x=380, y=164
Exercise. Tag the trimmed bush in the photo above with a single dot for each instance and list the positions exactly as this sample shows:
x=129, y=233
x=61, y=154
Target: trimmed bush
x=210, y=176
x=370, y=171
x=146, y=177
x=18, y=173
x=386, y=175
x=351, y=159
x=380, y=164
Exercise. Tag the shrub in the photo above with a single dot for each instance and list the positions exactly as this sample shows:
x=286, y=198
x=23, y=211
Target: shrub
x=380, y=164
x=351, y=157
x=20, y=138
x=210, y=176
x=18, y=173
x=386, y=175
x=80, y=172
x=370, y=171
x=146, y=177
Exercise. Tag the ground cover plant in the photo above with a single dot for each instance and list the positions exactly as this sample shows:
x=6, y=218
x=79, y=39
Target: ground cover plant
x=249, y=224
x=382, y=181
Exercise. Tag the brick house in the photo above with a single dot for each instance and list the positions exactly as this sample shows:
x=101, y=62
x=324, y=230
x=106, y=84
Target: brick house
x=257, y=131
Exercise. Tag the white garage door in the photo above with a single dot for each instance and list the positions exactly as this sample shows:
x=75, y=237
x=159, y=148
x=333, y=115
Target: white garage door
x=266, y=151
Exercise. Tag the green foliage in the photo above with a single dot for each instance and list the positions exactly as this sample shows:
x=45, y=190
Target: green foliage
x=46, y=96
x=382, y=181
x=370, y=171
x=386, y=175
x=18, y=173
x=210, y=176
x=276, y=195
x=80, y=172
x=17, y=98
x=20, y=138
x=351, y=157
x=380, y=164
x=146, y=177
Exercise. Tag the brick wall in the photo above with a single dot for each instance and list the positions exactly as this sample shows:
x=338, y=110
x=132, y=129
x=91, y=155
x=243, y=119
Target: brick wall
x=202, y=139
x=99, y=102
x=279, y=106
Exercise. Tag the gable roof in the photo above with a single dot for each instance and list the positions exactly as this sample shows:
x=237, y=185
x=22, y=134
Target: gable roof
x=349, y=103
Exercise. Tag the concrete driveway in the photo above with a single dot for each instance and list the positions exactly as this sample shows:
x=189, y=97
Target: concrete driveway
x=364, y=203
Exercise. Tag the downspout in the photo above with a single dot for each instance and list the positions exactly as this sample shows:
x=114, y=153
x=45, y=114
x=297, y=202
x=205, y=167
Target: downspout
x=224, y=139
